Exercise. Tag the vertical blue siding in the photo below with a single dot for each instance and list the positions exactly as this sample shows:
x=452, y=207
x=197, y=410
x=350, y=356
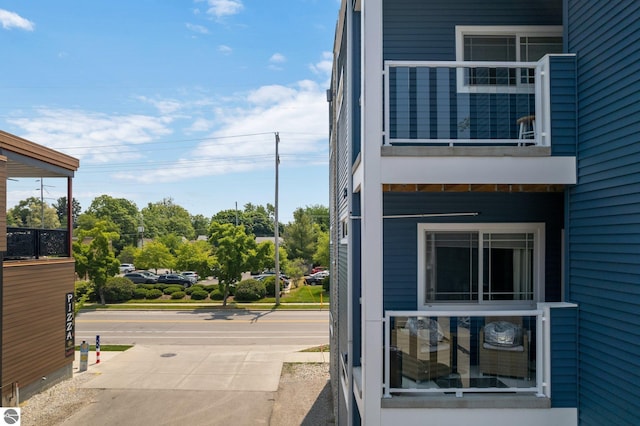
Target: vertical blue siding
x=604, y=209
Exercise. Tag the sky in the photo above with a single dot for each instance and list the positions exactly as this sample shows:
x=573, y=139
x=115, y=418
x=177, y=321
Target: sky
x=177, y=99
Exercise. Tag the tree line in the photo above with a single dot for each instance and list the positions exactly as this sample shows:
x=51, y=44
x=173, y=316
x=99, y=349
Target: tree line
x=112, y=231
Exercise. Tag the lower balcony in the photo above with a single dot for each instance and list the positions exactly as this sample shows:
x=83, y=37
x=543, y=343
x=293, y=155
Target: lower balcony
x=461, y=356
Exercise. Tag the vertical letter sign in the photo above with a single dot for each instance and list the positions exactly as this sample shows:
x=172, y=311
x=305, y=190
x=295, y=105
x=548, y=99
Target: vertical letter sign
x=69, y=332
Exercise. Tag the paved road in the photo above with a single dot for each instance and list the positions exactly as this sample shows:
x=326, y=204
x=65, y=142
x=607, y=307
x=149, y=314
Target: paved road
x=228, y=327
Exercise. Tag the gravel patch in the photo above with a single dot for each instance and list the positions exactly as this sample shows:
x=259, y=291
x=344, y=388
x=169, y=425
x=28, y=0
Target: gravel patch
x=304, y=396
x=54, y=405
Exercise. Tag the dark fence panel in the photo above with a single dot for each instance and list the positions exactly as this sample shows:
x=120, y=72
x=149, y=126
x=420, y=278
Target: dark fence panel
x=35, y=243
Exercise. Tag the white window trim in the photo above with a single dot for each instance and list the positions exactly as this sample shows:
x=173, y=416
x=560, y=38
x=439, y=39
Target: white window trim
x=537, y=229
x=517, y=31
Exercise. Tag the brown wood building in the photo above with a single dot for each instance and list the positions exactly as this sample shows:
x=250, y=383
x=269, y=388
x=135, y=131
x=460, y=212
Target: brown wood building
x=36, y=281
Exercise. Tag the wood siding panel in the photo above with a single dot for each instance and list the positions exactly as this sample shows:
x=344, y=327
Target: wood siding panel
x=604, y=209
x=3, y=203
x=33, y=326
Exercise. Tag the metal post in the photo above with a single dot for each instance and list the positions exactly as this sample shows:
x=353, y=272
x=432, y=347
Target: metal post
x=276, y=230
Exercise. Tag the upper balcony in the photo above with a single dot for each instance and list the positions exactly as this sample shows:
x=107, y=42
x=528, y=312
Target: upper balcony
x=517, y=108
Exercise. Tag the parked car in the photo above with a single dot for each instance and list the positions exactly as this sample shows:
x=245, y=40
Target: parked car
x=141, y=278
x=318, y=269
x=174, y=279
x=192, y=275
x=316, y=278
x=127, y=267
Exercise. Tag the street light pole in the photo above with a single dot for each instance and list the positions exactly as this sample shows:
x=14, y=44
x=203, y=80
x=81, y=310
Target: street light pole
x=277, y=231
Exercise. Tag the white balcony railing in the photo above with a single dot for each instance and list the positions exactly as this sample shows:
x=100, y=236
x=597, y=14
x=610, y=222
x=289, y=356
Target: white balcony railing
x=461, y=352
x=463, y=103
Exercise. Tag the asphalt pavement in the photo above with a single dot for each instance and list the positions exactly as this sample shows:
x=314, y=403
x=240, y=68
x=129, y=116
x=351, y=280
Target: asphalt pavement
x=195, y=385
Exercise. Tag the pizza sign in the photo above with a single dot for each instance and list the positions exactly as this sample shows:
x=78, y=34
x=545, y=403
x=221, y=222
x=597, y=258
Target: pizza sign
x=69, y=331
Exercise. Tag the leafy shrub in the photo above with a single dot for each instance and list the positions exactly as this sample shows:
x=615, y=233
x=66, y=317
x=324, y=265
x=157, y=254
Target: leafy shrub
x=326, y=283
x=178, y=295
x=154, y=293
x=172, y=289
x=211, y=287
x=161, y=287
x=195, y=287
x=199, y=294
x=146, y=286
x=216, y=294
x=140, y=293
x=84, y=288
x=270, y=285
x=118, y=289
x=250, y=290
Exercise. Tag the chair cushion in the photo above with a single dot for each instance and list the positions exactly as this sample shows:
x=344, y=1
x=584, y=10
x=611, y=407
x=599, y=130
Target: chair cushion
x=503, y=334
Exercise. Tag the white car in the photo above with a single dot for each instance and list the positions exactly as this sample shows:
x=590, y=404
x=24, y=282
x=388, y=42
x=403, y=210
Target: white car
x=125, y=268
x=192, y=275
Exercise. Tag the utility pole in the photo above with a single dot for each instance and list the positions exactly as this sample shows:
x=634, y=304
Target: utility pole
x=276, y=230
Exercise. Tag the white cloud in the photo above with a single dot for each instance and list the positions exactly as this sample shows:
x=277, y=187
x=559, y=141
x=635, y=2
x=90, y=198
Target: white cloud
x=244, y=140
x=221, y=8
x=92, y=137
x=225, y=49
x=324, y=66
x=197, y=28
x=277, y=58
x=11, y=20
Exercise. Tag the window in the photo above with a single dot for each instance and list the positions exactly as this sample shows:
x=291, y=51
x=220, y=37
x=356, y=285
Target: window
x=480, y=263
x=503, y=44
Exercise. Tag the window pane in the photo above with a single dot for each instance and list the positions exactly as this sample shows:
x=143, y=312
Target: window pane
x=508, y=266
x=489, y=48
x=452, y=266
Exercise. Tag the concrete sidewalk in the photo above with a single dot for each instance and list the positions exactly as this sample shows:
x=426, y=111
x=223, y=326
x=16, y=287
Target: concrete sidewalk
x=205, y=385
x=238, y=368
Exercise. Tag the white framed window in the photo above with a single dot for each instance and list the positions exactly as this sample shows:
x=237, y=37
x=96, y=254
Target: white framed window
x=492, y=263
x=503, y=44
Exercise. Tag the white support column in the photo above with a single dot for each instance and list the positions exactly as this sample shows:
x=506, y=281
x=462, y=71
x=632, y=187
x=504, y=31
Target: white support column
x=371, y=193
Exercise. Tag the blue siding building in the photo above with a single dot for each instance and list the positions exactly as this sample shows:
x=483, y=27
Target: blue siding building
x=485, y=212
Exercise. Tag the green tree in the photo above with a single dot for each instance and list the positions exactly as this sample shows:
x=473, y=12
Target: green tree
x=200, y=225
x=268, y=259
x=235, y=252
x=321, y=256
x=320, y=215
x=172, y=242
x=29, y=214
x=257, y=220
x=165, y=217
x=128, y=254
x=97, y=260
x=195, y=256
x=122, y=212
x=154, y=255
x=301, y=236
x=61, y=210
x=295, y=270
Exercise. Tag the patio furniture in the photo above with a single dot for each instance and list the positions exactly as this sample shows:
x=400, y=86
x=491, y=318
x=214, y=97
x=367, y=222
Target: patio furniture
x=426, y=351
x=504, y=348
